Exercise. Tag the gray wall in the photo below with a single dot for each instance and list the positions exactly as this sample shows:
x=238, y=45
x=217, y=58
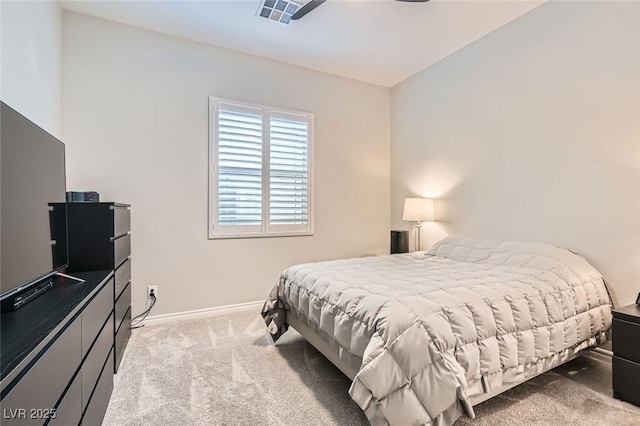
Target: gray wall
x=134, y=118
x=532, y=133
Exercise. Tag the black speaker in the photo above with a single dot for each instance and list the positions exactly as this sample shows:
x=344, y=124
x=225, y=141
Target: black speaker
x=399, y=242
x=83, y=197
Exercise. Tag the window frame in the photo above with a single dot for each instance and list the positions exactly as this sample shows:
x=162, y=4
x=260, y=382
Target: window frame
x=265, y=230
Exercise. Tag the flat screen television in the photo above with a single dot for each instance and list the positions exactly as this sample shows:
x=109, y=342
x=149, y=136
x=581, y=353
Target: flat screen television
x=33, y=217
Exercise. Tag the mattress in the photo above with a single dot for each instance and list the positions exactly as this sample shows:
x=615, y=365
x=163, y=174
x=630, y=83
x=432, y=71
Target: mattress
x=431, y=329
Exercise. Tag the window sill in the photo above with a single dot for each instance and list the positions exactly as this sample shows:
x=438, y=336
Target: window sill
x=260, y=235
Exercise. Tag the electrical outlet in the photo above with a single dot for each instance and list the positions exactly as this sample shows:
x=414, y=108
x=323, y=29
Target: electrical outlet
x=150, y=289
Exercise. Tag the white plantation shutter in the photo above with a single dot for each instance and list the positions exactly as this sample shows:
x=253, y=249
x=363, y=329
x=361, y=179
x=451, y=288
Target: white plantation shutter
x=239, y=166
x=289, y=171
x=260, y=181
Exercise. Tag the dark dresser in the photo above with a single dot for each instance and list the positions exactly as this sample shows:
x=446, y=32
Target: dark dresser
x=57, y=354
x=99, y=239
x=626, y=354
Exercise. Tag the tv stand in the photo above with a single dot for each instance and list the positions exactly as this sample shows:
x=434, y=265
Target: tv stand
x=57, y=354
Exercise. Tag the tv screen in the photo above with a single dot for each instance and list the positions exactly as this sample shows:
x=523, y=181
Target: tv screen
x=33, y=218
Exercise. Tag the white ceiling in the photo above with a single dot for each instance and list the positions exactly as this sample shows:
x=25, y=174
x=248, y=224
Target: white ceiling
x=377, y=41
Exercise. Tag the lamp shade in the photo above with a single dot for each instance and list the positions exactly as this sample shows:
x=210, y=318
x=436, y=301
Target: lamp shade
x=418, y=210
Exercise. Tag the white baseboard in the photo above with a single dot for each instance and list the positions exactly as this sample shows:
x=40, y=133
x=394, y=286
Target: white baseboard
x=201, y=313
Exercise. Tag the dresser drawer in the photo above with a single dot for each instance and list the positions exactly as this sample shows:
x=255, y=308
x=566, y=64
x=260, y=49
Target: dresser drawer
x=626, y=340
x=626, y=377
x=122, y=276
x=121, y=220
x=122, y=305
x=98, y=236
x=96, y=358
x=121, y=249
x=122, y=337
x=99, y=219
x=94, y=412
x=95, y=314
x=42, y=385
x=69, y=411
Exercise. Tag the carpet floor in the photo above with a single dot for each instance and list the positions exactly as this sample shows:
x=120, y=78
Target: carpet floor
x=223, y=370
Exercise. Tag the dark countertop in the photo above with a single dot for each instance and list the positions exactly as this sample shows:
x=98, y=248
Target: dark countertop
x=21, y=331
x=108, y=203
x=629, y=313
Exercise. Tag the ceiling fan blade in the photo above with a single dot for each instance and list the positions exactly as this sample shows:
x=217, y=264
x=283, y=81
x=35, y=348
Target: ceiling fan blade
x=306, y=9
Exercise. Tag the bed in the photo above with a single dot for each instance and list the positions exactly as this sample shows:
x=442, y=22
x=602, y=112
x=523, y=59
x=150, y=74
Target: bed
x=425, y=336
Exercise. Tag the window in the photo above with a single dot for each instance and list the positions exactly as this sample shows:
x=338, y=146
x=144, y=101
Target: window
x=260, y=171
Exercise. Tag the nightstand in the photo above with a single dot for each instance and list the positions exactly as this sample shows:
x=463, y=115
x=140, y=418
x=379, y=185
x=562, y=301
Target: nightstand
x=626, y=354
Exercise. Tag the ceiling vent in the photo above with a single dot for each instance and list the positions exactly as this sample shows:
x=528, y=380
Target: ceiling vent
x=278, y=10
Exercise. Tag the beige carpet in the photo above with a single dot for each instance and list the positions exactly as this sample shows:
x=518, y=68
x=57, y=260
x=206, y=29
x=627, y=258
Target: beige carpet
x=224, y=371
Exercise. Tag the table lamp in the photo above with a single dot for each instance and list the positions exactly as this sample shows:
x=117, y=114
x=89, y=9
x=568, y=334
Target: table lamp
x=418, y=210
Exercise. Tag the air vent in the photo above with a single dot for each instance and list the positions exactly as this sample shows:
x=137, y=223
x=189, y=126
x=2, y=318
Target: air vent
x=278, y=10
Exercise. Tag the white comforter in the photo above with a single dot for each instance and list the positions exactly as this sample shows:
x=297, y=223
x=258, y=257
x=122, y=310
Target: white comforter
x=434, y=328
